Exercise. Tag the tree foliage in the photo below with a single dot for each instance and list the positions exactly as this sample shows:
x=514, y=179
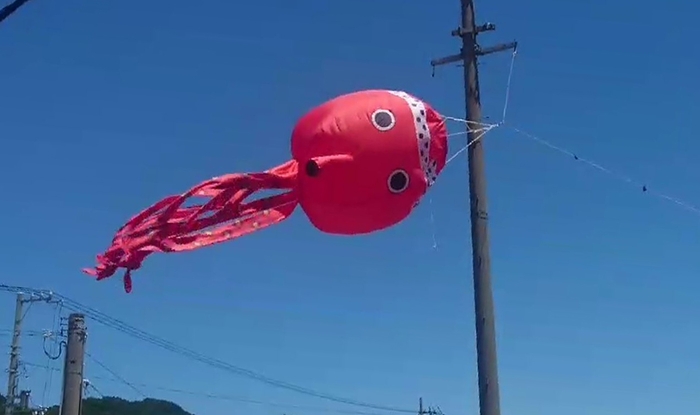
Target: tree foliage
x=117, y=406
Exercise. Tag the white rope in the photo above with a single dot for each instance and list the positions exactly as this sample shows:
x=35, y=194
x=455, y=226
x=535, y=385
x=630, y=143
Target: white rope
x=468, y=122
x=510, y=79
x=485, y=128
x=636, y=183
x=478, y=130
x=469, y=144
x=481, y=130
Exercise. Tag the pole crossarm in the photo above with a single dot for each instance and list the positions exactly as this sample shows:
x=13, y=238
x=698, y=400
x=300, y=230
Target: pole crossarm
x=447, y=60
x=497, y=48
x=479, y=52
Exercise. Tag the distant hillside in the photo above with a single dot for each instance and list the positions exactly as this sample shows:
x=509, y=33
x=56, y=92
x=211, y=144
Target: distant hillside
x=119, y=406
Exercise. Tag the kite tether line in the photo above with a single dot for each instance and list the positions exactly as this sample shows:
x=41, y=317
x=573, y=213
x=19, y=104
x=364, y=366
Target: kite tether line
x=638, y=184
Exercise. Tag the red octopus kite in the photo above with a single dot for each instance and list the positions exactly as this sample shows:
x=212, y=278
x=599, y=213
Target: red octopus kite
x=360, y=163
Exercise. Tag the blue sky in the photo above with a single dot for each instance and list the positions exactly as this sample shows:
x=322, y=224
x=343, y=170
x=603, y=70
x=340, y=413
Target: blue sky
x=108, y=106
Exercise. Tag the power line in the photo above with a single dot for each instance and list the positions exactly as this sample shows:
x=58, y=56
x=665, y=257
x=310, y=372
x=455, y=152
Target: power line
x=208, y=395
x=11, y=8
x=51, y=354
x=116, y=376
x=25, y=333
x=139, y=334
x=90, y=386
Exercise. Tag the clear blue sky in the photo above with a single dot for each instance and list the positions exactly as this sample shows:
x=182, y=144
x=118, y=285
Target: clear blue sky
x=107, y=106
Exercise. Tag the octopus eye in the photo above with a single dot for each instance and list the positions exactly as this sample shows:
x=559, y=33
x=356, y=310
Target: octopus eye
x=398, y=181
x=383, y=120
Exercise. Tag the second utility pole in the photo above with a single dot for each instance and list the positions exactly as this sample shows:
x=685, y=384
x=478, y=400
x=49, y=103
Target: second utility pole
x=73, y=367
x=13, y=372
x=487, y=362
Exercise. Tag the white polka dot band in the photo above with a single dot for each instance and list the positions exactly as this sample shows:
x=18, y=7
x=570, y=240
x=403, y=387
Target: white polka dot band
x=420, y=121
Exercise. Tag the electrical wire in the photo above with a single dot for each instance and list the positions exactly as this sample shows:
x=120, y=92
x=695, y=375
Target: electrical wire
x=215, y=396
x=51, y=357
x=25, y=333
x=144, y=336
x=116, y=376
x=90, y=386
x=11, y=8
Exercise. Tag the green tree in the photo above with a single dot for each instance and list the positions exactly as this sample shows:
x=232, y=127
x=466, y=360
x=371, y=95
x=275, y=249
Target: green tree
x=117, y=406
x=2, y=407
x=111, y=405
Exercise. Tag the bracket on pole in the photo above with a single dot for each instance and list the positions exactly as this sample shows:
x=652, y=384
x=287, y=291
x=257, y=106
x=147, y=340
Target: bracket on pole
x=42, y=296
x=461, y=32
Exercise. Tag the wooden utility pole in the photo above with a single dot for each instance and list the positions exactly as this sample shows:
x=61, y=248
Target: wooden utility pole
x=24, y=398
x=487, y=362
x=13, y=372
x=13, y=393
x=429, y=411
x=73, y=367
